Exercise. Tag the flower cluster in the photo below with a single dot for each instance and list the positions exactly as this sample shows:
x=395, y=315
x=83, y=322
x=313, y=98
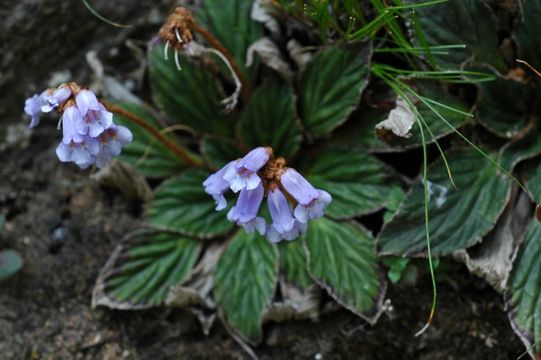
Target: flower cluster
x=291, y=199
x=89, y=134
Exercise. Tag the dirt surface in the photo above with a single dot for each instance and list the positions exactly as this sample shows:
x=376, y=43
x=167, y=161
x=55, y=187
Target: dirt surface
x=65, y=227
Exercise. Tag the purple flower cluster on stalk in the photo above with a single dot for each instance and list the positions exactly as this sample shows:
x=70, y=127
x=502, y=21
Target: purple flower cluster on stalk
x=89, y=135
x=291, y=199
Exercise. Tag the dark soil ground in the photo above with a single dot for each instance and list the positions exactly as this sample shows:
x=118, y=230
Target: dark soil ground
x=65, y=226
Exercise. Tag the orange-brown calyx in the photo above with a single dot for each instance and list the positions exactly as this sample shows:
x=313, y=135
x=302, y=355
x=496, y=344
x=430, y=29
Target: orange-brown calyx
x=177, y=28
x=273, y=170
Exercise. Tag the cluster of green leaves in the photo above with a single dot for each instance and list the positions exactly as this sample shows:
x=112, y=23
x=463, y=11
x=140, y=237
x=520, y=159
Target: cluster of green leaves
x=194, y=257
x=296, y=117
x=465, y=210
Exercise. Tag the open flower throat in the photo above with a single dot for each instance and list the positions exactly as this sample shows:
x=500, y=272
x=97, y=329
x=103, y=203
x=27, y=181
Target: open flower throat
x=292, y=201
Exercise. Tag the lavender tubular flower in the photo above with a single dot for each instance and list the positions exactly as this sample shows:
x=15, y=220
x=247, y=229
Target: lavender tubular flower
x=298, y=187
x=70, y=117
x=216, y=186
x=312, y=202
x=244, y=173
x=282, y=219
x=244, y=213
x=315, y=209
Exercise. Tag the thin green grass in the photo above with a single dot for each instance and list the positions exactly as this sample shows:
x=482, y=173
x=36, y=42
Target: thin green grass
x=102, y=18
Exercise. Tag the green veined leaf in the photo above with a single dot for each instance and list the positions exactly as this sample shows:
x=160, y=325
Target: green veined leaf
x=360, y=131
x=244, y=281
x=342, y=259
x=504, y=106
x=532, y=174
x=294, y=265
x=358, y=183
x=458, y=218
x=525, y=147
x=219, y=151
x=331, y=87
x=461, y=22
x=147, y=154
x=269, y=119
x=181, y=204
x=143, y=267
x=232, y=25
x=523, y=291
x=526, y=34
x=190, y=97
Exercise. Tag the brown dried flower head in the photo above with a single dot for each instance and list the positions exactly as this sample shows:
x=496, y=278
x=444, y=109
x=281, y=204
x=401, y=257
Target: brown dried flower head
x=175, y=32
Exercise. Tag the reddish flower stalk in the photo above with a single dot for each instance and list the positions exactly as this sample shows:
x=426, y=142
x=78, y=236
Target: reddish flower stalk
x=181, y=152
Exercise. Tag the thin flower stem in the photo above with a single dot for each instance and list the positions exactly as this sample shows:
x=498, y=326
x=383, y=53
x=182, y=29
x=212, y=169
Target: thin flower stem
x=181, y=152
x=218, y=46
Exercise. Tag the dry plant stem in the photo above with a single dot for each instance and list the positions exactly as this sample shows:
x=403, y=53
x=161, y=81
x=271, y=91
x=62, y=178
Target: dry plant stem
x=178, y=150
x=218, y=46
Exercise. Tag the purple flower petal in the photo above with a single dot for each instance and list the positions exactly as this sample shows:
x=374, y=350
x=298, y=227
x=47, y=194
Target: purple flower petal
x=301, y=213
x=247, y=205
x=236, y=181
x=32, y=107
x=215, y=185
x=92, y=145
x=81, y=156
x=86, y=100
x=58, y=97
x=282, y=220
x=84, y=154
x=221, y=203
x=244, y=174
x=94, y=129
x=124, y=135
x=105, y=117
x=314, y=209
x=114, y=148
x=254, y=160
x=257, y=224
x=298, y=187
x=63, y=152
x=252, y=181
x=273, y=235
x=70, y=118
x=295, y=232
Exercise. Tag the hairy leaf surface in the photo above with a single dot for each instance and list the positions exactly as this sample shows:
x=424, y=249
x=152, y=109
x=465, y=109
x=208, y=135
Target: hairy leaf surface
x=331, y=87
x=358, y=183
x=270, y=119
x=342, y=259
x=147, y=154
x=245, y=279
x=459, y=218
x=143, y=267
x=190, y=97
x=181, y=204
